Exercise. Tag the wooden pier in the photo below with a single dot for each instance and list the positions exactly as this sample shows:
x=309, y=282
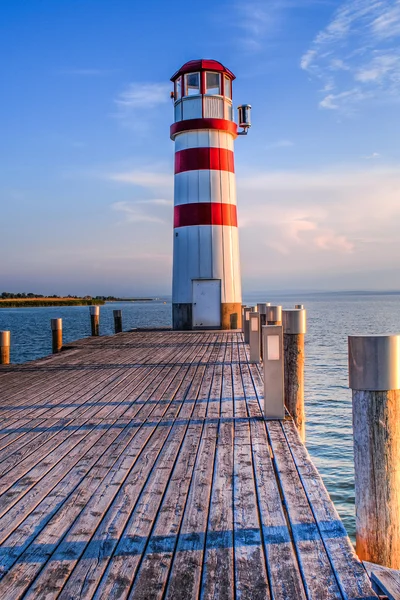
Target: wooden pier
x=140, y=466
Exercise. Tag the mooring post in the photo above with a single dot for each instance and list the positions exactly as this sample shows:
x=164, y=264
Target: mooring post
x=243, y=318
x=299, y=306
x=272, y=340
x=94, y=319
x=274, y=315
x=117, y=321
x=294, y=329
x=254, y=337
x=5, y=338
x=262, y=309
x=374, y=377
x=56, y=335
x=247, y=311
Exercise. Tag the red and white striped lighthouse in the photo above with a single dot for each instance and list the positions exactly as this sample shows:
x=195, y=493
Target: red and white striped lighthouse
x=206, y=290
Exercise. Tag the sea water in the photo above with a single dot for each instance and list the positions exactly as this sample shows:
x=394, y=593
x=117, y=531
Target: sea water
x=330, y=319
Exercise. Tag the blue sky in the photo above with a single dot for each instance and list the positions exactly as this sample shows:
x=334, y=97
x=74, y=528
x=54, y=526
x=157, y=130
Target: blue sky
x=86, y=161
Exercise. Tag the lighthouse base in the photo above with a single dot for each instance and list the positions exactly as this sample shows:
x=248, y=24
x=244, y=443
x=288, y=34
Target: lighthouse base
x=182, y=316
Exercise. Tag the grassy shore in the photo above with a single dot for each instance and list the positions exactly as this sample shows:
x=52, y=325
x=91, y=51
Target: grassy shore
x=30, y=302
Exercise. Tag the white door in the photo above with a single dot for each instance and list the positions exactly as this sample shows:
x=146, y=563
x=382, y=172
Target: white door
x=206, y=303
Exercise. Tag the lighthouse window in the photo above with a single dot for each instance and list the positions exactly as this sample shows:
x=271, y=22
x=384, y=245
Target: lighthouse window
x=228, y=87
x=192, y=84
x=213, y=84
x=178, y=88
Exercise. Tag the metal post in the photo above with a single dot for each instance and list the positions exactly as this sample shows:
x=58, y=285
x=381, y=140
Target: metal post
x=254, y=337
x=56, y=335
x=294, y=328
x=262, y=309
x=299, y=306
x=272, y=339
x=243, y=307
x=117, y=321
x=94, y=319
x=5, y=341
x=274, y=315
x=374, y=377
x=247, y=312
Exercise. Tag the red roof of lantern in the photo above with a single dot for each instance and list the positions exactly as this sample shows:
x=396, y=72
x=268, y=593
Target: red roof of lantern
x=202, y=65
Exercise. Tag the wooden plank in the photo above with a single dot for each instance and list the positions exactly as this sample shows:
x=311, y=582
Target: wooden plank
x=218, y=574
x=387, y=580
x=251, y=581
x=283, y=571
x=185, y=575
x=349, y=572
x=318, y=576
x=151, y=579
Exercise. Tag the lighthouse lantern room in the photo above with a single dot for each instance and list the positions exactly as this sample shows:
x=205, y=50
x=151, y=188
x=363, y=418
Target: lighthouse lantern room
x=206, y=289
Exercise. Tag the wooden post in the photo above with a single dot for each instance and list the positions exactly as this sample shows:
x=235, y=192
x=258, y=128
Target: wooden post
x=117, y=321
x=5, y=347
x=255, y=337
x=294, y=328
x=56, y=335
x=94, y=319
x=247, y=312
x=274, y=315
x=374, y=377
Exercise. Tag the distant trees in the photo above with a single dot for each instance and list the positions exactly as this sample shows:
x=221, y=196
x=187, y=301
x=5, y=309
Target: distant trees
x=11, y=295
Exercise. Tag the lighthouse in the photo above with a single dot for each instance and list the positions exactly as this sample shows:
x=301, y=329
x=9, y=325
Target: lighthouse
x=206, y=286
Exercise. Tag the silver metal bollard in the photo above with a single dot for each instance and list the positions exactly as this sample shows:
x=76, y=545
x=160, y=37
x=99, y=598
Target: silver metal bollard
x=374, y=377
x=274, y=315
x=56, y=335
x=294, y=329
x=299, y=306
x=255, y=337
x=95, y=319
x=5, y=342
x=273, y=361
x=243, y=317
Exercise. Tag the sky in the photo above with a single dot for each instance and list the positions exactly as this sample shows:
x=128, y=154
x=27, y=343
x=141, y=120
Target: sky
x=86, y=162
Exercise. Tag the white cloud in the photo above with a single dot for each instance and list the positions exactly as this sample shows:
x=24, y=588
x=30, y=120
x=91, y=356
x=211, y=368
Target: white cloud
x=357, y=55
x=372, y=156
x=279, y=144
x=155, y=178
x=138, y=212
x=136, y=103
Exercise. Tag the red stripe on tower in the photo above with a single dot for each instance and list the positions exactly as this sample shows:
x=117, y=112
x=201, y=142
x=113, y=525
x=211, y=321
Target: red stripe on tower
x=205, y=213
x=194, y=159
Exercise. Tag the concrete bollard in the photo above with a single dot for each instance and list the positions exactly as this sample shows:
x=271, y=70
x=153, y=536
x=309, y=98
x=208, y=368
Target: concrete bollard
x=255, y=337
x=95, y=319
x=5, y=341
x=274, y=315
x=247, y=312
x=56, y=335
x=273, y=363
x=294, y=328
x=374, y=377
x=117, y=321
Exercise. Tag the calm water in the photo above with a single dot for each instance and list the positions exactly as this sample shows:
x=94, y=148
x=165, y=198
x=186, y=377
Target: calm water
x=331, y=318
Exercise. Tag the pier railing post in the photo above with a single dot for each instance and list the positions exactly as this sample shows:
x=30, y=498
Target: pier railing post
x=255, y=336
x=5, y=347
x=94, y=319
x=294, y=329
x=117, y=321
x=247, y=311
x=374, y=377
x=274, y=315
x=272, y=340
x=56, y=335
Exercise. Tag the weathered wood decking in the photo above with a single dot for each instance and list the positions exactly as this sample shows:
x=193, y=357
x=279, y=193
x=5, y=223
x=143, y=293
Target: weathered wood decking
x=140, y=466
